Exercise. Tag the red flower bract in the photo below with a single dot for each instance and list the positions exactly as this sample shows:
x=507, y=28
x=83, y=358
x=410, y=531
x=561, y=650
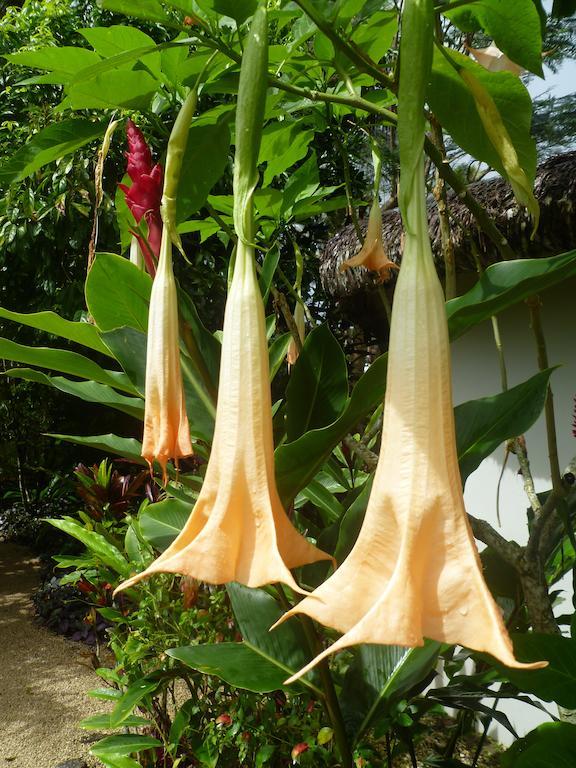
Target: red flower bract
x=144, y=195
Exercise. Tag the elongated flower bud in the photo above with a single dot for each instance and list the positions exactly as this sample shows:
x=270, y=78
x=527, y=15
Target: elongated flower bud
x=166, y=429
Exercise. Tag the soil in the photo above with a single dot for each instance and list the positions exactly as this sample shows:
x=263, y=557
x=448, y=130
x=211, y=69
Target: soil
x=44, y=678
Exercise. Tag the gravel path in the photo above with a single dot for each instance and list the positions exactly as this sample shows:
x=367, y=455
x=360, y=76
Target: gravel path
x=43, y=678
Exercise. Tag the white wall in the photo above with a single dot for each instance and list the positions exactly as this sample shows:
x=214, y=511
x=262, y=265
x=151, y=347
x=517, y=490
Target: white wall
x=476, y=374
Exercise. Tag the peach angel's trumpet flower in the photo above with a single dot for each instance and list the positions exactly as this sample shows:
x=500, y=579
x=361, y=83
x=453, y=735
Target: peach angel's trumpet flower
x=300, y=323
x=414, y=571
x=372, y=255
x=238, y=530
x=166, y=429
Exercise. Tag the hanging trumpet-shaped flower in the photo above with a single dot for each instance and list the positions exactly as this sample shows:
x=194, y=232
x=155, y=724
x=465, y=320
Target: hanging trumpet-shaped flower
x=144, y=195
x=300, y=323
x=166, y=430
x=414, y=571
x=238, y=530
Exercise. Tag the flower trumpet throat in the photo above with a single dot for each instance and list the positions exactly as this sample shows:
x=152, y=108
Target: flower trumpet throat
x=166, y=429
x=414, y=571
x=238, y=530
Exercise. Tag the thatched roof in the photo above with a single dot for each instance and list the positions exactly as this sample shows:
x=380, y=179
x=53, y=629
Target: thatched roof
x=555, y=190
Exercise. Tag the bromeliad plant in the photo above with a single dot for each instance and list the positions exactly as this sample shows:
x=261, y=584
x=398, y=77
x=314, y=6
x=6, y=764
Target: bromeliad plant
x=268, y=498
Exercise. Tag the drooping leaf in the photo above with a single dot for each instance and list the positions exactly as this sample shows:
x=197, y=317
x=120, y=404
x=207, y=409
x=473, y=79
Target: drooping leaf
x=513, y=24
x=551, y=744
x=81, y=333
x=49, y=144
x=118, y=293
x=64, y=361
x=90, y=391
x=482, y=425
x=132, y=696
x=510, y=97
x=318, y=389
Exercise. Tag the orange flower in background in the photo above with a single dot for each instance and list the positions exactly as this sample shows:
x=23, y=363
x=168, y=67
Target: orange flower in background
x=492, y=59
x=372, y=254
x=300, y=323
x=414, y=571
x=238, y=529
x=166, y=430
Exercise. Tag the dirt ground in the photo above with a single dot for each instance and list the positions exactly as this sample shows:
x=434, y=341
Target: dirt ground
x=44, y=678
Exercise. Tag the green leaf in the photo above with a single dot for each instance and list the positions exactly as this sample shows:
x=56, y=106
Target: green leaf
x=318, y=389
x=126, y=744
x=149, y=10
x=125, y=89
x=380, y=676
x=127, y=447
x=277, y=353
x=66, y=59
x=551, y=744
x=464, y=125
x=482, y=425
x=256, y=611
x=49, y=144
x=116, y=39
x=95, y=542
x=103, y=722
x=160, y=523
x=513, y=24
x=505, y=284
x=207, y=156
x=81, y=333
x=557, y=681
x=89, y=391
x=375, y=34
x=239, y=10
x=118, y=293
x=66, y=362
x=130, y=699
x=283, y=144
x=129, y=348
x=119, y=761
x=351, y=522
x=322, y=498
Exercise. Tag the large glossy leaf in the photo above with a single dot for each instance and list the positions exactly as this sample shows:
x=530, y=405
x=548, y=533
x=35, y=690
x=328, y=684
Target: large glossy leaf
x=49, y=144
x=379, y=676
x=264, y=660
x=464, y=125
x=160, y=523
x=207, y=153
x=239, y=10
x=81, y=333
x=95, y=542
x=118, y=293
x=256, y=611
x=551, y=744
x=66, y=362
x=482, y=425
x=125, y=744
x=117, y=39
x=129, y=348
x=514, y=26
x=90, y=391
x=557, y=681
x=318, y=386
x=505, y=284
x=127, y=447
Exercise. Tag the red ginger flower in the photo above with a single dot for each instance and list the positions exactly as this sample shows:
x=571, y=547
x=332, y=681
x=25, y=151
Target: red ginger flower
x=144, y=195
